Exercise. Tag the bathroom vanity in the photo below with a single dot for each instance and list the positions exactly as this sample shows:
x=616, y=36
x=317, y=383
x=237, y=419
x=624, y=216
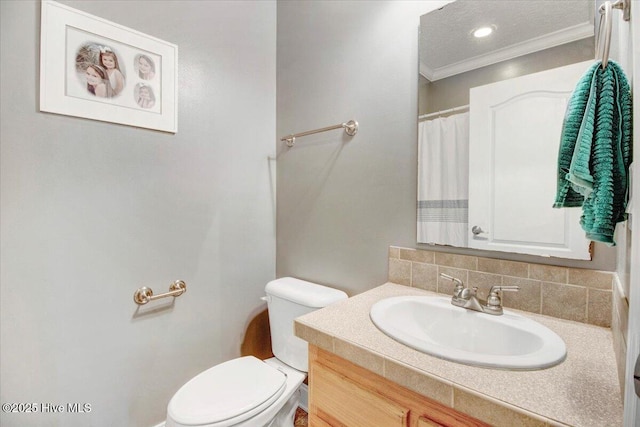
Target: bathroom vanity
x=360, y=376
x=343, y=393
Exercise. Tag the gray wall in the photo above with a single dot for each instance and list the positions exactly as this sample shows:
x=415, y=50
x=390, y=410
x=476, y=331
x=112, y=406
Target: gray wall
x=342, y=201
x=91, y=211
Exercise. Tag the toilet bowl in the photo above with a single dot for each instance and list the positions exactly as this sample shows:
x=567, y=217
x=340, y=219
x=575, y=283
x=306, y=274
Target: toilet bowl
x=249, y=392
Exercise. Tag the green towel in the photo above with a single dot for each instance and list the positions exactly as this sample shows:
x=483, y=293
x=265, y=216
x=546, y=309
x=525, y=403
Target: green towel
x=596, y=150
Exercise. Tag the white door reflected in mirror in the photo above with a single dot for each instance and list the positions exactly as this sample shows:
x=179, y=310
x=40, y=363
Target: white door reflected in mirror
x=514, y=133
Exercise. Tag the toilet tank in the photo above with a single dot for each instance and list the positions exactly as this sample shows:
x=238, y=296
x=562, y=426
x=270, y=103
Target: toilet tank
x=288, y=298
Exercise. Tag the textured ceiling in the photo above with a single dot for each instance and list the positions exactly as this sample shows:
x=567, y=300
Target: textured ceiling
x=446, y=39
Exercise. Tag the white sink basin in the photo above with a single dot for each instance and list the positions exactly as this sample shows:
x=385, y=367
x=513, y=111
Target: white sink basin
x=434, y=326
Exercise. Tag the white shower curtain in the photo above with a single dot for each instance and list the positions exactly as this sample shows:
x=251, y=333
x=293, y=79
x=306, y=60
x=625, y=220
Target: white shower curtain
x=443, y=180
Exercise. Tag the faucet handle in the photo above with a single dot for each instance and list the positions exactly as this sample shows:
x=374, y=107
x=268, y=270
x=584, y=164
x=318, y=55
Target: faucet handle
x=459, y=284
x=496, y=288
x=494, y=302
x=457, y=281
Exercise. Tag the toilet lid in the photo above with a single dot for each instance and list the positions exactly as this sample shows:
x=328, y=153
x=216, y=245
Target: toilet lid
x=234, y=389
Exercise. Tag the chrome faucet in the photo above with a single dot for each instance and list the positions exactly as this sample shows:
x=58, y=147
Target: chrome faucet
x=467, y=297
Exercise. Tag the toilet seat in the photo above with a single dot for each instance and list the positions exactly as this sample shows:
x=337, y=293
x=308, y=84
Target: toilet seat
x=227, y=394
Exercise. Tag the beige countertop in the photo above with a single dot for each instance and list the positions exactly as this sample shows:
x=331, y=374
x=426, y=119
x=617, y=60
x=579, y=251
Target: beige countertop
x=581, y=391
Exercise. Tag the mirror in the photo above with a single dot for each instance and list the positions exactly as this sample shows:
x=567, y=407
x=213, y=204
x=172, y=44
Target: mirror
x=529, y=43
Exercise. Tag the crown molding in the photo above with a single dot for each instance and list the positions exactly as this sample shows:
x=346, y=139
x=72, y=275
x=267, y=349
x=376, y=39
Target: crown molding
x=547, y=41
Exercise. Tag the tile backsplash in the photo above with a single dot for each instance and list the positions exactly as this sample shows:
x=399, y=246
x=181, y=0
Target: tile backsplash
x=568, y=293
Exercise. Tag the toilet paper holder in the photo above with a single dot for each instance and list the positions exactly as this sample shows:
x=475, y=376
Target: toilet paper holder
x=144, y=294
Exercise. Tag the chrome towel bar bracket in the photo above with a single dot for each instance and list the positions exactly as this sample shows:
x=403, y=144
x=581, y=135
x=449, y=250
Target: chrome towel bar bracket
x=144, y=294
x=350, y=128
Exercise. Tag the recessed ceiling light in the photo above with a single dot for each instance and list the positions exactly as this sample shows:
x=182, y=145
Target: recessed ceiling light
x=482, y=32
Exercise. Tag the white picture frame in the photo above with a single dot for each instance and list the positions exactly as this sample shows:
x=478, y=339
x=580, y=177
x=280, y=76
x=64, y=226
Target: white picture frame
x=99, y=70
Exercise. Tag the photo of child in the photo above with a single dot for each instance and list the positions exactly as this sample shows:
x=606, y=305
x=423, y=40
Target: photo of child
x=145, y=66
x=98, y=62
x=97, y=81
x=109, y=61
x=144, y=96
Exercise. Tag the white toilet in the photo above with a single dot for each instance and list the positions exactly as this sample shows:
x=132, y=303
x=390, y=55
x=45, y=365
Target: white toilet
x=248, y=392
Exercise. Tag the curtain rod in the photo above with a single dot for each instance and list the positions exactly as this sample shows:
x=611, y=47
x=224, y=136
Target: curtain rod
x=439, y=113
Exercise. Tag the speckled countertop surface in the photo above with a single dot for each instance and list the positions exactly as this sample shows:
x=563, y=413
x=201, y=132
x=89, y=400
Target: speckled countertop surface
x=581, y=391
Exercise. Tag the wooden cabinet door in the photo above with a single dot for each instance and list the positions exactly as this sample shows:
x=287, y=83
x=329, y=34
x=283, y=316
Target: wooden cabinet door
x=342, y=394
x=339, y=401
